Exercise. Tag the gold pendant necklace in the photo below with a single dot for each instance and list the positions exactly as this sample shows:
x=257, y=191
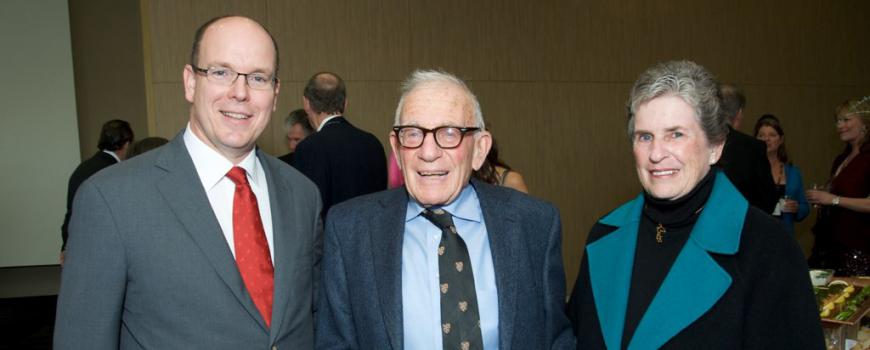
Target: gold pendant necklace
x=660, y=229
x=660, y=234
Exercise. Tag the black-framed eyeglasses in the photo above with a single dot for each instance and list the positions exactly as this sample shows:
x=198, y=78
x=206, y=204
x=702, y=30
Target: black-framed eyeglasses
x=446, y=137
x=225, y=76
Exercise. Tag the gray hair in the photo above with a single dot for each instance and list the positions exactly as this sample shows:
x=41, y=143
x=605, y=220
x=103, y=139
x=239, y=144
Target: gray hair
x=689, y=81
x=423, y=77
x=298, y=117
x=733, y=101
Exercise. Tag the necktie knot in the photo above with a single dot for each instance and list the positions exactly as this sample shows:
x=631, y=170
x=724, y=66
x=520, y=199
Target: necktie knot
x=440, y=217
x=238, y=176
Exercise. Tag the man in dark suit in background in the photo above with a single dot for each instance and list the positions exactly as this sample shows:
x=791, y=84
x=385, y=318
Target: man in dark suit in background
x=744, y=158
x=341, y=159
x=298, y=128
x=206, y=242
x=115, y=139
x=443, y=263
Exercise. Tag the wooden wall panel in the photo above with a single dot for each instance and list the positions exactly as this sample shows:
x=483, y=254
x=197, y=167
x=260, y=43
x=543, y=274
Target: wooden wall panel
x=552, y=76
x=172, y=111
x=575, y=155
x=480, y=40
x=173, y=23
x=365, y=40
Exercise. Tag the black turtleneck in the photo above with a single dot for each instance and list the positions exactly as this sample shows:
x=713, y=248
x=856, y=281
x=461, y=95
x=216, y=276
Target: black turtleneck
x=653, y=260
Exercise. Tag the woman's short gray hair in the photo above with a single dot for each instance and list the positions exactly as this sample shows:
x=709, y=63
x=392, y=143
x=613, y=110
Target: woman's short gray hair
x=689, y=81
x=422, y=77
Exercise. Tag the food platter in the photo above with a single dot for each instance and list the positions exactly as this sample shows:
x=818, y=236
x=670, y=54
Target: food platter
x=844, y=300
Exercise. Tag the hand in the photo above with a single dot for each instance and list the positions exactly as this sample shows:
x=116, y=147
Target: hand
x=819, y=197
x=791, y=206
x=62, y=253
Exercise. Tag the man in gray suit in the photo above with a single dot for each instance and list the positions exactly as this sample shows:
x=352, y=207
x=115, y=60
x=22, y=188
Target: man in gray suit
x=444, y=263
x=206, y=242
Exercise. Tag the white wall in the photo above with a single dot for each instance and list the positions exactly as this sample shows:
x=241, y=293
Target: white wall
x=39, y=145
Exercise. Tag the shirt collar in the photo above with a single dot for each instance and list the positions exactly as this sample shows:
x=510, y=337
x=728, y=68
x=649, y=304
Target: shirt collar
x=465, y=207
x=323, y=123
x=113, y=155
x=211, y=166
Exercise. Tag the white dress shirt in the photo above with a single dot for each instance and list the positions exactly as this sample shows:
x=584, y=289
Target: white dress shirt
x=112, y=154
x=212, y=169
x=327, y=119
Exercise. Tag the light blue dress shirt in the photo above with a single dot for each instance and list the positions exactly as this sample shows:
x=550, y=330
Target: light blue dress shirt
x=421, y=300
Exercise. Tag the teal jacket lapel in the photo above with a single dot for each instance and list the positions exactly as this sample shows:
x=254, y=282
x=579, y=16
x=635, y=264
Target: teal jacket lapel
x=681, y=299
x=610, y=261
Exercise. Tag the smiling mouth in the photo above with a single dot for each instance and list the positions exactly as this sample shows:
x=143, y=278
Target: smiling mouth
x=431, y=173
x=663, y=172
x=233, y=115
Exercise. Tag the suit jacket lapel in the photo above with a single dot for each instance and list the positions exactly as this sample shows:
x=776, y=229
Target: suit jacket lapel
x=187, y=199
x=504, y=241
x=610, y=262
x=284, y=228
x=386, y=243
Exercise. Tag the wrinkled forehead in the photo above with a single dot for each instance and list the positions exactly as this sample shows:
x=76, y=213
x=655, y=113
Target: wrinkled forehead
x=436, y=104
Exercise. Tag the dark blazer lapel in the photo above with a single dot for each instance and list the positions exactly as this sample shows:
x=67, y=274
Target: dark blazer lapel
x=386, y=236
x=187, y=199
x=610, y=260
x=504, y=242
x=681, y=299
x=283, y=215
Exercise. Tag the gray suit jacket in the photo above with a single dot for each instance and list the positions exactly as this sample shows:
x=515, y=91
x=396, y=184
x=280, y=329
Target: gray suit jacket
x=360, y=304
x=147, y=266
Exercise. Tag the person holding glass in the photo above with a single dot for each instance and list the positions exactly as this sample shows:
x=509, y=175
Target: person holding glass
x=843, y=226
x=793, y=205
x=688, y=263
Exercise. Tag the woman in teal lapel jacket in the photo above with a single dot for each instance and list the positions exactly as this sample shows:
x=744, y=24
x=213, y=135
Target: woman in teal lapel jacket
x=688, y=264
x=793, y=205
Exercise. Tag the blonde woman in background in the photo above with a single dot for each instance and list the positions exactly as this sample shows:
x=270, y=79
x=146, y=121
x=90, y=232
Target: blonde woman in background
x=843, y=227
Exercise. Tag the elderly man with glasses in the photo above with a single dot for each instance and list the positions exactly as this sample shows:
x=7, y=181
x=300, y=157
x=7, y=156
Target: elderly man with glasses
x=446, y=262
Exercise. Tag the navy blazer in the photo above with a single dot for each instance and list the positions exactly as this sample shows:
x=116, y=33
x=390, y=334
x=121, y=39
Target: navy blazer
x=343, y=161
x=360, y=303
x=740, y=282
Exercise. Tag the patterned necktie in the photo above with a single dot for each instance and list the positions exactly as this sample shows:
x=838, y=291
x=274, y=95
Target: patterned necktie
x=252, y=250
x=460, y=319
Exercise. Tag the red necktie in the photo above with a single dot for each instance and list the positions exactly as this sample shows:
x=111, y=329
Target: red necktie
x=252, y=250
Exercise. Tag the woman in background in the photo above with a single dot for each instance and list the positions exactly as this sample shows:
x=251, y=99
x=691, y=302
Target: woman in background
x=495, y=171
x=843, y=227
x=793, y=204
